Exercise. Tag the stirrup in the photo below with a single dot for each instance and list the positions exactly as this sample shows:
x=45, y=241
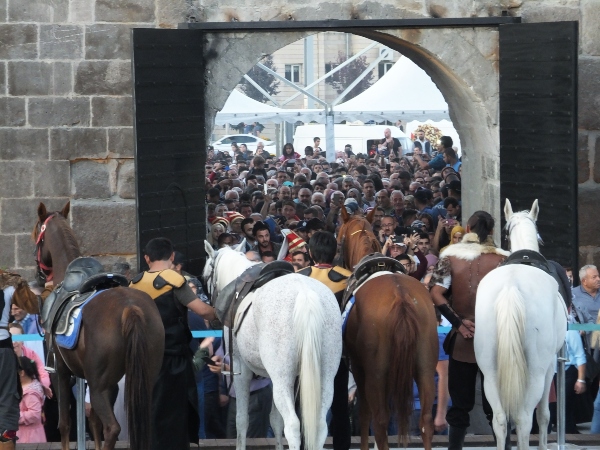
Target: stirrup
x=227, y=373
x=49, y=369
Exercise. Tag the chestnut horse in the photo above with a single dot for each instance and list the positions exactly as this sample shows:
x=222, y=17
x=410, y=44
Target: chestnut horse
x=121, y=334
x=391, y=339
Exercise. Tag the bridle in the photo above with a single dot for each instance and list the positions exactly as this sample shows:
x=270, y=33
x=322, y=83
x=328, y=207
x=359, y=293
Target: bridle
x=510, y=225
x=44, y=272
x=211, y=280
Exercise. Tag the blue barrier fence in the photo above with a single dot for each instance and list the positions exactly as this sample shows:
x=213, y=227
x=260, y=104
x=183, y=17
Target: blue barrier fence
x=219, y=333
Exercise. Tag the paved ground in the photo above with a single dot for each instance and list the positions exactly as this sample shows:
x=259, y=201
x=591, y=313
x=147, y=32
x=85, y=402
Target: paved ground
x=580, y=441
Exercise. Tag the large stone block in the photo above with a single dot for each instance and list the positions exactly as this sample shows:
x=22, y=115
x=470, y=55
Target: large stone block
x=73, y=143
x=590, y=31
x=105, y=226
x=82, y=11
x=53, y=178
x=120, y=142
x=39, y=78
x=16, y=179
x=103, y=78
x=26, y=144
x=589, y=227
x=38, y=11
x=112, y=112
x=25, y=249
x=7, y=252
x=126, y=180
x=12, y=112
x=595, y=146
x=19, y=41
x=90, y=179
x=107, y=41
x=589, y=93
x=583, y=157
x=57, y=112
x=536, y=12
x=125, y=11
x=2, y=77
x=61, y=42
x=23, y=212
x=3, y=10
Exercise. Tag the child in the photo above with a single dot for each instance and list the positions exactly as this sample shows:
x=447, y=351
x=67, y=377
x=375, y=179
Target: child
x=31, y=429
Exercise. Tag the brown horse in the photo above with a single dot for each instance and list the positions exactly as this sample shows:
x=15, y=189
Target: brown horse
x=121, y=334
x=391, y=338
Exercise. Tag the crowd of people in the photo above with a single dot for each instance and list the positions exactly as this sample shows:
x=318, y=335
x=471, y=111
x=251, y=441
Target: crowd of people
x=283, y=208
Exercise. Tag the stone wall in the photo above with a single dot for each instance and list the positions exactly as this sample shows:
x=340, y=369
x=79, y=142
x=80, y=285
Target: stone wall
x=66, y=113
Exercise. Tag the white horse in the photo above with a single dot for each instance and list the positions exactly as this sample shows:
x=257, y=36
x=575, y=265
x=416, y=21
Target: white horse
x=292, y=329
x=521, y=321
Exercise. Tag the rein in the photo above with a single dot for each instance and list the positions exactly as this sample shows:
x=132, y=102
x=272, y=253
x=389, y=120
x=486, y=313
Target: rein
x=45, y=272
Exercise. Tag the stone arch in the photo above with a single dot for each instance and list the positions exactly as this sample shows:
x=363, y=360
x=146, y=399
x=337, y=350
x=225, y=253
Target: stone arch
x=461, y=62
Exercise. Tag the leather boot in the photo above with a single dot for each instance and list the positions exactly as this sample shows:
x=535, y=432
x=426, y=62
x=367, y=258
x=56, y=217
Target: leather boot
x=456, y=438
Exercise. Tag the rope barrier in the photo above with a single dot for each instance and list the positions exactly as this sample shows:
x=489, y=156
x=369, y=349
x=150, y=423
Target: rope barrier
x=219, y=333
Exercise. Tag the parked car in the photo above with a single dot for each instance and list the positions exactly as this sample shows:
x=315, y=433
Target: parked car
x=224, y=144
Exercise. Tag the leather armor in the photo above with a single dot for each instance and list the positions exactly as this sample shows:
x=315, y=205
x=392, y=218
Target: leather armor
x=160, y=286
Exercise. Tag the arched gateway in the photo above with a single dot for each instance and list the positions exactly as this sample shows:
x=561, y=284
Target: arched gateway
x=511, y=89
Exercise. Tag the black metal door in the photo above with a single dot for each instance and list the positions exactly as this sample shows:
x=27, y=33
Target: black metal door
x=538, y=129
x=170, y=143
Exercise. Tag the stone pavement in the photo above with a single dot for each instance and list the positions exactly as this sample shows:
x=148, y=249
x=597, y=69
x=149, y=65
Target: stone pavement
x=473, y=442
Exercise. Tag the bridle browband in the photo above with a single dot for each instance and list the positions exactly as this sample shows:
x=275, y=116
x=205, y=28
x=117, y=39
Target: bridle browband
x=45, y=272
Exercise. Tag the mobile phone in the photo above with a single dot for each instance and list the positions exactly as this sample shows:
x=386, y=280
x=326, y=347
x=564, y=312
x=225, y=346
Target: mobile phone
x=208, y=361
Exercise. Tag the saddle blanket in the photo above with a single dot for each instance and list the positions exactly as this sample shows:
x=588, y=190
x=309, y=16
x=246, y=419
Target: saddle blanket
x=346, y=314
x=71, y=336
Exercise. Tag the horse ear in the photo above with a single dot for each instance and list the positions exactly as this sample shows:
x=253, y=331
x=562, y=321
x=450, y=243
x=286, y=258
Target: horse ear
x=508, y=212
x=345, y=215
x=65, y=211
x=42, y=212
x=209, y=250
x=535, y=210
x=371, y=216
x=240, y=247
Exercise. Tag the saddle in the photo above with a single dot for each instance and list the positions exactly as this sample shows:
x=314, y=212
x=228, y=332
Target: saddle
x=230, y=298
x=367, y=266
x=537, y=260
x=83, y=277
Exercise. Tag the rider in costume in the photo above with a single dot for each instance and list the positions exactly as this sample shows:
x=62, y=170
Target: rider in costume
x=323, y=247
x=175, y=421
x=458, y=272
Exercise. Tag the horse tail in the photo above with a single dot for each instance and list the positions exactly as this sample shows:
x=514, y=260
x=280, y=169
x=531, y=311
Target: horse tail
x=138, y=389
x=404, y=330
x=510, y=358
x=309, y=322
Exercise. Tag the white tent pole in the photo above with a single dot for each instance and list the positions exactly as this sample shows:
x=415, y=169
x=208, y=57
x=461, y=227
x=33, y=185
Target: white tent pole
x=331, y=72
x=289, y=83
x=329, y=136
x=358, y=80
x=260, y=89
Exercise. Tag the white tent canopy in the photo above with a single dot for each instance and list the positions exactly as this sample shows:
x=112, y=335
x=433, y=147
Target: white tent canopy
x=405, y=92
x=241, y=108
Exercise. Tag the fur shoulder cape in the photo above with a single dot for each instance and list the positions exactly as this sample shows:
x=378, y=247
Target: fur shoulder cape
x=470, y=248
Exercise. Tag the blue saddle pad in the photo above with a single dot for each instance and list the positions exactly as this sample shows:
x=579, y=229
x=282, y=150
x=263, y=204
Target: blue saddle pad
x=70, y=338
x=346, y=314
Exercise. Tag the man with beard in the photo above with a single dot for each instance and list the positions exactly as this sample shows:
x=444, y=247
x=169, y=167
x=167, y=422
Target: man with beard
x=461, y=268
x=262, y=234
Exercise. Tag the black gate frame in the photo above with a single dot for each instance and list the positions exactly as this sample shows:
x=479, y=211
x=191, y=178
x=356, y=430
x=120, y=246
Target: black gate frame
x=157, y=58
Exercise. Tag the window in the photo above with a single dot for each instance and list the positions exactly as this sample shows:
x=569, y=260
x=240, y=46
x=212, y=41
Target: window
x=245, y=139
x=330, y=66
x=384, y=67
x=292, y=72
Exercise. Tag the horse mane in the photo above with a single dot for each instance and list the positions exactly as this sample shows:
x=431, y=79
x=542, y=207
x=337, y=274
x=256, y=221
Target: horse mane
x=522, y=232
x=363, y=244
